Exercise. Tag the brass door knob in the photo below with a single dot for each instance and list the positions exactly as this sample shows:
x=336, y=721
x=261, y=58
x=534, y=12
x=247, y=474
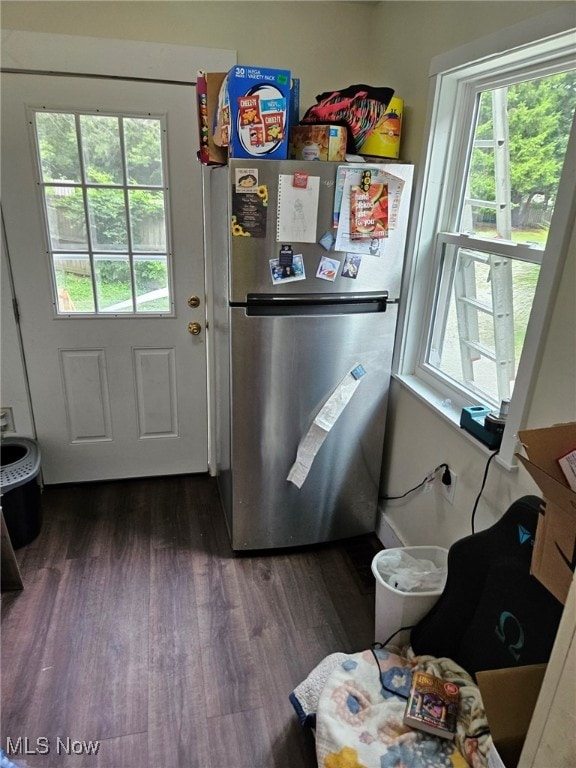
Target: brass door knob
x=193, y=302
x=194, y=328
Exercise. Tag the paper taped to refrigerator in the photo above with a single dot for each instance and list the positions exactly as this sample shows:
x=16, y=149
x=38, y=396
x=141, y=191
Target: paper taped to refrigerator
x=323, y=423
x=307, y=450
x=297, y=210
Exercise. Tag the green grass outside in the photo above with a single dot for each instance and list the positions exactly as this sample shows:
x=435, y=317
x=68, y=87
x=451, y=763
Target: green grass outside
x=538, y=236
x=80, y=290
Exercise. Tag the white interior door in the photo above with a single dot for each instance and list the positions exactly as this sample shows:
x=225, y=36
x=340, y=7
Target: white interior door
x=105, y=256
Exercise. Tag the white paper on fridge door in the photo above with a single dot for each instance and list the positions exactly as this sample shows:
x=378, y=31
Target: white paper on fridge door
x=307, y=450
x=297, y=210
x=322, y=424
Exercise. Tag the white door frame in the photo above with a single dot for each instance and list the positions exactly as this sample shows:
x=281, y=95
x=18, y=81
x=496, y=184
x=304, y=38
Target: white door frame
x=45, y=53
x=73, y=55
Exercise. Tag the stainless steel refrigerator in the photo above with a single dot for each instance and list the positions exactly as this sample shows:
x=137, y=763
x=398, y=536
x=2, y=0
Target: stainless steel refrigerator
x=288, y=330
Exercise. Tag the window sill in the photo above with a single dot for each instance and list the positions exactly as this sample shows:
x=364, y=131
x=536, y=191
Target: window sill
x=450, y=414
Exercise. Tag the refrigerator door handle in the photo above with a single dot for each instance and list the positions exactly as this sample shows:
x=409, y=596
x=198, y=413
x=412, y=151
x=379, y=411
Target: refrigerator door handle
x=314, y=298
x=310, y=304
x=288, y=299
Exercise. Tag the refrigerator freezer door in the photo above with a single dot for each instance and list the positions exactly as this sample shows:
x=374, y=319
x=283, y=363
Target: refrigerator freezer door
x=249, y=267
x=282, y=370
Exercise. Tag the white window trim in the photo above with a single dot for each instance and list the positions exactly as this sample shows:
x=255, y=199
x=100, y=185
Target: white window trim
x=454, y=79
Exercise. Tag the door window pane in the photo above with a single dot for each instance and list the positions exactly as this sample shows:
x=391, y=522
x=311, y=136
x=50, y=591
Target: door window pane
x=58, y=146
x=152, y=284
x=148, y=220
x=107, y=214
x=143, y=138
x=66, y=218
x=74, y=283
x=101, y=149
x=113, y=283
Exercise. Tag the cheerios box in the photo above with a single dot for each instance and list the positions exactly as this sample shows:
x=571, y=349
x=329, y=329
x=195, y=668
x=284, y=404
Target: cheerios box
x=254, y=113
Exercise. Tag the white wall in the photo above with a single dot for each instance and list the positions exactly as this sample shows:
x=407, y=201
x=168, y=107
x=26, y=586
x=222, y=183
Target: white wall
x=329, y=45
x=322, y=43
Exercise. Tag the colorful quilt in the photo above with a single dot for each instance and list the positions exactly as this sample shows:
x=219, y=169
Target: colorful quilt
x=357, y=711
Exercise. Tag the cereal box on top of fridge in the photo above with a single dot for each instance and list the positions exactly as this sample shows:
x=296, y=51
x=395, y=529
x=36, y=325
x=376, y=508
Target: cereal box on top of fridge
x=254, y=113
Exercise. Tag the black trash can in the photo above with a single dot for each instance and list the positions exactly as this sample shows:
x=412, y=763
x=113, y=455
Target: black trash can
x=20, y=489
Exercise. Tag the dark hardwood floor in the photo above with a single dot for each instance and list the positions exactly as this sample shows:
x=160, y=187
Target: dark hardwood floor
x=138, y=627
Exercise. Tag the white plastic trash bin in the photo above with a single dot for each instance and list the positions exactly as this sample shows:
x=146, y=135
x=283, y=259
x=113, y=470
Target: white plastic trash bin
x=395, y=608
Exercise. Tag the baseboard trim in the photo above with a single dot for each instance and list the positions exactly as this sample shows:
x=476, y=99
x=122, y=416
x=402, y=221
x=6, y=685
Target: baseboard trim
x=386, y=532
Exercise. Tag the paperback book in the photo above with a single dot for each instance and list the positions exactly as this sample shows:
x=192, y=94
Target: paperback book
x=432, y=705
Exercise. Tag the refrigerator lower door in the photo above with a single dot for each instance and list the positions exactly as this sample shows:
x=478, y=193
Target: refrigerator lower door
x=282, y=370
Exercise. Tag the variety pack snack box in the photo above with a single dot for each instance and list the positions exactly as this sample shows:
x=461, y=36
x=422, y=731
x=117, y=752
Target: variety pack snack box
x=253, y=113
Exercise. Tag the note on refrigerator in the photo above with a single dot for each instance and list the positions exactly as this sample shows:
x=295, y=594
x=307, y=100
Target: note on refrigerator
x=297, y=210
x=329, y=413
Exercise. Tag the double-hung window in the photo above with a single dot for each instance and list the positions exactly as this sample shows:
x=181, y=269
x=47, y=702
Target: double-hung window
x=496, y=201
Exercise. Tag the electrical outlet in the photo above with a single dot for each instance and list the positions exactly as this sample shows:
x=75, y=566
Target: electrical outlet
x=429, y=484
x=6, y=420
x=448, y=491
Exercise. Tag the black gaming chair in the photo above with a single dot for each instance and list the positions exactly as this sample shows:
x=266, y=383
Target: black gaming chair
x=492, y=612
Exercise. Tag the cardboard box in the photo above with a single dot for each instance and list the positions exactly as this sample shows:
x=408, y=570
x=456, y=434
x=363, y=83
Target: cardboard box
x=253, y=116
x=318, y=142
x=554, y=556
x=509, y=697
x=568, y=467
x=384, y=140
x=207, y=89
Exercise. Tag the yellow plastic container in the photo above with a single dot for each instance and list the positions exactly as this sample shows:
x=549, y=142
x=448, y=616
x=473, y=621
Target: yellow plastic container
x=384, y=140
